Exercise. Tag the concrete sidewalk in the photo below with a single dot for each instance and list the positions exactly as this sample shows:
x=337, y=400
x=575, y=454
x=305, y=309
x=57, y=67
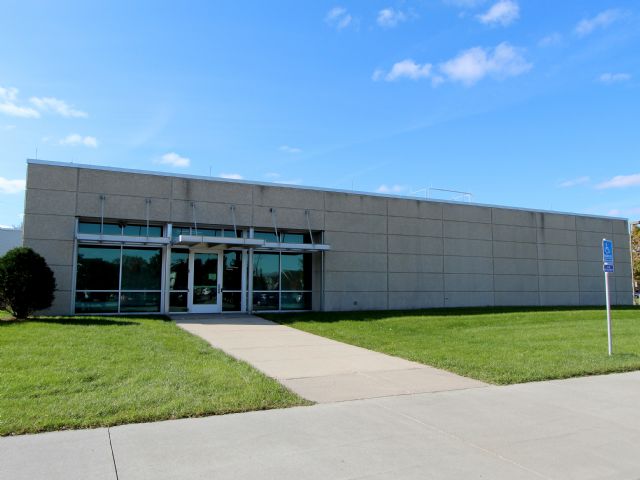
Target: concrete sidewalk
x=583, y=429
x=315, y=367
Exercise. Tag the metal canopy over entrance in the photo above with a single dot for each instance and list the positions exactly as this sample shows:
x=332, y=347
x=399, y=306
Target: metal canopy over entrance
x=201, y=241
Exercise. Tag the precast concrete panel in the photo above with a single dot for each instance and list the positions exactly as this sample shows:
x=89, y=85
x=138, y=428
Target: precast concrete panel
x=122, y=207
x=349, y=203
x=515, y=266
x=467, y=230
x=416, y=282
x=50, y=202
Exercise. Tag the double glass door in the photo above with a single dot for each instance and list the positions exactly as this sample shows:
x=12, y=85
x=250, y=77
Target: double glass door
x=205, y=281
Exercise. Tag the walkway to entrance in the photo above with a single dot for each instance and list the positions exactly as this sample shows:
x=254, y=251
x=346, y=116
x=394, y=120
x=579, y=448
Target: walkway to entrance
x=317, y=368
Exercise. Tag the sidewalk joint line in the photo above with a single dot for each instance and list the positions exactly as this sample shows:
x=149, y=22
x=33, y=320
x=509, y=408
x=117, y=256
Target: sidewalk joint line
x=113, y=457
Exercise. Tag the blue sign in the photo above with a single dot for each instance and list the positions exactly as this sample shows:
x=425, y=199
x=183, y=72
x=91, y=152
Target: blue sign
x=607, y=252
x=607, y=267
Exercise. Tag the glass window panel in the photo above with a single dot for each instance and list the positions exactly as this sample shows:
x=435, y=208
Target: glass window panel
x=96, y=302
x=178, y=302
x=179, y=273
x=94, y=227
x=266, y=236
x=141, y=269
x=208, y=232
x=205, y=278
x=266, y=271
x=177, y=231
x=140, y=302
x=296, y=301
x=231, y=301
x=232, y=275
x=296, y=271
x=295, y=237
x=229, y=233
x=141, y=230
x=265, y=300
x=98, y=268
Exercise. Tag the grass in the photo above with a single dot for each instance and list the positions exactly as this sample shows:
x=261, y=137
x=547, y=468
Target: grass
x=60, y=373
x=496, y=345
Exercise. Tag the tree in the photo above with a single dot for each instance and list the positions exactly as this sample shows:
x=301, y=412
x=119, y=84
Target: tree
x=635, y=252
x=27, y=283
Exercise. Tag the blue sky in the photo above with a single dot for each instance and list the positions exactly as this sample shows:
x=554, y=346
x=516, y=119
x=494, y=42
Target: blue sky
x=529, y=103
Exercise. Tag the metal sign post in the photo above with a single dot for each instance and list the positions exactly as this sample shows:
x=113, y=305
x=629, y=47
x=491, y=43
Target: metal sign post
x=607, y=267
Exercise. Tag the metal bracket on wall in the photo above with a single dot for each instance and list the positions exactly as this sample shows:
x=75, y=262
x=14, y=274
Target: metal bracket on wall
x=275, y=226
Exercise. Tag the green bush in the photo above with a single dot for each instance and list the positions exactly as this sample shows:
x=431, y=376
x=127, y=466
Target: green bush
x=27, y=283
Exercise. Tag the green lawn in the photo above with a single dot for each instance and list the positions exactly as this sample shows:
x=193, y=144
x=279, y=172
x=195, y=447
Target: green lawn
x=499, y=346
x=58, y=373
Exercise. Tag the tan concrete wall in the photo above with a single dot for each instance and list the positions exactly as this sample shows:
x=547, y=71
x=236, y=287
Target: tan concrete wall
x=386, y=252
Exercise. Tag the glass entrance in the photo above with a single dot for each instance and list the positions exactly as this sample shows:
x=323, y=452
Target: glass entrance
x=205, y=281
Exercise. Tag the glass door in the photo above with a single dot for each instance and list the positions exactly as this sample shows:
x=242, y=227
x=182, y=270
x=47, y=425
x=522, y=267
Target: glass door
x=205, y=279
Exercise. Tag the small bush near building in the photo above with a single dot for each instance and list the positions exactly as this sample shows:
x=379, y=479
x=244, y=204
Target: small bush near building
x=27, y=284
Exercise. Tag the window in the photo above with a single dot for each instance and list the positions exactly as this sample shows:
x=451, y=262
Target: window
x=228, y=232
x=285, y=237
x=281, y=281
x=110, y=228
x=118, y=279
x=179, y=281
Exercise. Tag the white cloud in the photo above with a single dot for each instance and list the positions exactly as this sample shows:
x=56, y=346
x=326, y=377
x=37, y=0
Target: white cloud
x=338, y=17
x=550, y=40
x=389, y=18
x=472, y=65
x=391, y=188
x=289, y=149
x=621, y=181
x=272, y=175
x=175, y=160
x=231, y=176
x=610, y=78
x=11, y=186
x=8, y=127
x=75, y=139
x=9, y=106
x=405, y=69
x=574, y=182
x=504, y=12
x=602, y=20
x=55, y=105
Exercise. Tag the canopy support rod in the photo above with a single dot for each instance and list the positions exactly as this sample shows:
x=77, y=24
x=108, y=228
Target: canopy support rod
x=195, y=223
x=306, y=214
x=273, y=219
x=102, y=199
x=147, y=202
x=233, y=219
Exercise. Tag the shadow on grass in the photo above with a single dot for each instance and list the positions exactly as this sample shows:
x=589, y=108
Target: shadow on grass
x=373, y=315
x=89, y=320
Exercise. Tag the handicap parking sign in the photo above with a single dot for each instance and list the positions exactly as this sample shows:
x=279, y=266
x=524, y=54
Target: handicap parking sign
x=607, y=251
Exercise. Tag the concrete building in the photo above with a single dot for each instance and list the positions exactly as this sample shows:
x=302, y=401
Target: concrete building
x=122, y=241
x=9, y=238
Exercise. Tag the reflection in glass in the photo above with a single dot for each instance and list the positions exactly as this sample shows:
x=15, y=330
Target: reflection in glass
x=96, y=302
x=179, y=273
x=98, y=268
x=178, y=302
x=295, y=237
x=296, y=301
x=94, y=228
x=205, y=278
x=296, y=271
x=266, y=271
x=231, y=301
x=265, y=300
x=266, y=236
x=141, y=268
x=232, y=274
x=141, y=231
x=140, y=302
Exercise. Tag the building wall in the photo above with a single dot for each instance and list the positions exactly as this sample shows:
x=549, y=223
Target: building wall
x=387, y=253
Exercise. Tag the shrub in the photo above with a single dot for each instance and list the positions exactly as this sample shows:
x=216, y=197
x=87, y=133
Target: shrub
x=27, y=283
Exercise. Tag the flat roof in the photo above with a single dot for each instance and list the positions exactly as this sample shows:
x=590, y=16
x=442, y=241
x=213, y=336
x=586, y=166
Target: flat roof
x=304, y=187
